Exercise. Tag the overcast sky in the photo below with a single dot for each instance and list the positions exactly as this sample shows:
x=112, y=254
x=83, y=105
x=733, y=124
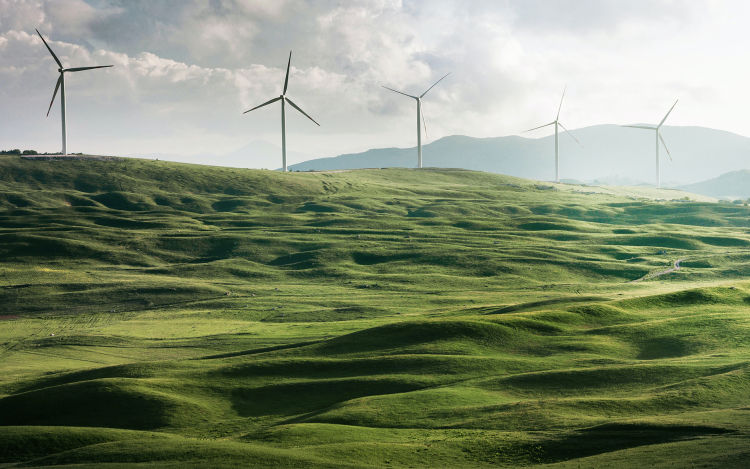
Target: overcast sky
x=186, y=70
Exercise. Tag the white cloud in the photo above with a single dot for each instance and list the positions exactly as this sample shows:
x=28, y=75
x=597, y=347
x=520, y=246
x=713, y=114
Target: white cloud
x=20, y=14
x=75, y=17
x=185, y=70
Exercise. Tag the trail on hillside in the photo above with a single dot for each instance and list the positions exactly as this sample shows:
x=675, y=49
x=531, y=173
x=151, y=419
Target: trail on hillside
x=675, y=267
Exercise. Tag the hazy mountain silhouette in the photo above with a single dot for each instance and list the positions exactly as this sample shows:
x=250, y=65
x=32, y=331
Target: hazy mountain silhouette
x=609, y=153
x=734, y=185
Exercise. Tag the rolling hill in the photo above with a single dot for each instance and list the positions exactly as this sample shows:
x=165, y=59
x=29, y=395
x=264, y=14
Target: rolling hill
x=155, y=314
x=609, y=153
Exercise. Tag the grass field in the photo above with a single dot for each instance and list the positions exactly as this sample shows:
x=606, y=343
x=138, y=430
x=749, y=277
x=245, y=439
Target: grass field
x=156, y=314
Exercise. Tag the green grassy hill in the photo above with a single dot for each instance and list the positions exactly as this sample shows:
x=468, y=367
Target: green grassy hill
x=172, y=315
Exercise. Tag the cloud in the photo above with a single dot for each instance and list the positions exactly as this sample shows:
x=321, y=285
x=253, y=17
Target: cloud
x=20, y=14
x=592, y=16
x=185, y=70
x=75, y=18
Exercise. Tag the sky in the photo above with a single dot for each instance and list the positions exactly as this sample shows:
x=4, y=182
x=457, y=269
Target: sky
x=185, y=70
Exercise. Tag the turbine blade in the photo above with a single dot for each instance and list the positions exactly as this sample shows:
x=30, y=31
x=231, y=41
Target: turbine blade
x=424, y=122
x=261, y=105
x=300, y=110
x=399, y=92
x=54, y=95
x=286, y=80
x=433, y=85
x=49, y=49
x=570, y=133
x=561, y=100
x=665, y=146
x=545, y=125
x=669, y=112
x=640, y=127
x=80, y=69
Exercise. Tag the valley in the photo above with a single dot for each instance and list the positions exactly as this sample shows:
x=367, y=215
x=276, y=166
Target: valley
x=161, y=314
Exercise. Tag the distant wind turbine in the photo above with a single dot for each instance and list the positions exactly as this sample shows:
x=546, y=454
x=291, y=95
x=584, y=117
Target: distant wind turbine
x=420, y=117
x=557, y=123
x=659, y=138
x=61, y=86
x=283, y=100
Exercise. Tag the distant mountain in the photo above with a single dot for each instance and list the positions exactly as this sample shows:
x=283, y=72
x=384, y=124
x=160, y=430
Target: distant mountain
x=734, y=185
x=609, y=153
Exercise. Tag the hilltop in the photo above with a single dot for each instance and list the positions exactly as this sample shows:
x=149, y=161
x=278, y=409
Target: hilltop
x=168, y=314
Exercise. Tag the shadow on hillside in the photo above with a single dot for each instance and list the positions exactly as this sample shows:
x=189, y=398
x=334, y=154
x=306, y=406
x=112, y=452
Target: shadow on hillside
x=613, y=437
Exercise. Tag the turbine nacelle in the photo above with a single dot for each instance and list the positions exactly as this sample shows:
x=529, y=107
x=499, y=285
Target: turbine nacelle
x=282, y=97
x=60, y=85
x=420, y=115
x=557, y=123
x=659, y=138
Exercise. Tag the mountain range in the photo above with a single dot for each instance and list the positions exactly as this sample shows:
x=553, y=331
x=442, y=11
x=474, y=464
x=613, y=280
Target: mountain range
x=609, y=154
x=733, y=185
x=704, y=161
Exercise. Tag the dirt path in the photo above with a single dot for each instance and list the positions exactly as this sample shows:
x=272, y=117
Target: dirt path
x=675, y=267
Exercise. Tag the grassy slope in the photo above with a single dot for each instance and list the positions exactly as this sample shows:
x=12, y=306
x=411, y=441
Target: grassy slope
x=176, y=314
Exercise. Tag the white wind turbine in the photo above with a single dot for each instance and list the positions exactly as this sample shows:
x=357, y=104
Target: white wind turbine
x=61, y=86
x=420, y=116
x=284, y=100
x=557, y=123
x=659, y=138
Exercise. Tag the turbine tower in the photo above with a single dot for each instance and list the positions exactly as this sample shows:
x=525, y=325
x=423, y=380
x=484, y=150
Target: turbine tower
x=284, y=100
x=557, y=124
x=659, y=138
x=420, y=117
x=61, y=86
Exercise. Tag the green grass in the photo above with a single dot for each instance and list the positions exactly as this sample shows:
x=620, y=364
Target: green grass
x=155, y=314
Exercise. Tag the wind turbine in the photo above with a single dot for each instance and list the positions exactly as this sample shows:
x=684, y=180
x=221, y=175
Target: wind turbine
x=61, y=86
x=283, y=100
x=657, y=129
x=557, y=123
x=420, y=117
